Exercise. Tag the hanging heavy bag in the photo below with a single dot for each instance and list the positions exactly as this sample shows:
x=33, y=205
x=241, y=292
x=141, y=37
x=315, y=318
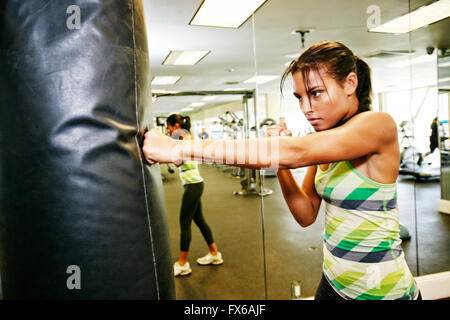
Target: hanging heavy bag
x=81, y=215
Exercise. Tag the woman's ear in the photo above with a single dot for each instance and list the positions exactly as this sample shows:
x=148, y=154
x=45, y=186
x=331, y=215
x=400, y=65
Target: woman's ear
x=351, y=83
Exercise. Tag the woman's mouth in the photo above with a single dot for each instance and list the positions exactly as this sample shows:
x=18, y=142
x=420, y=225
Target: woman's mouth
x=313, y=121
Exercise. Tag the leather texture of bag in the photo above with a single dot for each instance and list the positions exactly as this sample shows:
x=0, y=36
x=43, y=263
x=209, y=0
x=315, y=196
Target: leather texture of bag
x=82, y=216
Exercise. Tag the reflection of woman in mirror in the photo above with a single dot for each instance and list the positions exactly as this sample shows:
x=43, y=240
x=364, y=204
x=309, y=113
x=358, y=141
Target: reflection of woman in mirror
x=434, y=137
x=191, y=207
x=353, y=162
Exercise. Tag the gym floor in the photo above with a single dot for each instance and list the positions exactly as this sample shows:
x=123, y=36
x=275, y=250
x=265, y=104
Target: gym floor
x=257, y=269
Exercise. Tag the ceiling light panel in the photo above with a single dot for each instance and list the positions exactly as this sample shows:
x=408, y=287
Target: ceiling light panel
x=226, y=14
x=417, y=19
x=234, y=89
x=185, y=58
x=261, y=79
x=163, y=91
x=165, y=80
x=292, y=56
x=197, y=104
x=412, y=61
x=444, y=64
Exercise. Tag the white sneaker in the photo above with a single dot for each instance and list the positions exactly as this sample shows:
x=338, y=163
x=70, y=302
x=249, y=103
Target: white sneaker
x=210, y=259
x=181, y=270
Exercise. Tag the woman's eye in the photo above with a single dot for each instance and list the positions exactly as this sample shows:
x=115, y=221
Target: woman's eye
x=316, y=93
x=299, y=97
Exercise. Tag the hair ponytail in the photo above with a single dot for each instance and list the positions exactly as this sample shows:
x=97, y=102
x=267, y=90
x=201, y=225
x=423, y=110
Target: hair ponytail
x=186, y=125
x=364, y=89
x=184, y=122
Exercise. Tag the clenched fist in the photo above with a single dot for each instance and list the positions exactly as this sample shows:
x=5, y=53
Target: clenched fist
x=158, y=147
x=278, y=130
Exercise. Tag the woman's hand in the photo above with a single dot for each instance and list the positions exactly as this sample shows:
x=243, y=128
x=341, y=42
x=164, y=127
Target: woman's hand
x=278, y=130
x=158, y=147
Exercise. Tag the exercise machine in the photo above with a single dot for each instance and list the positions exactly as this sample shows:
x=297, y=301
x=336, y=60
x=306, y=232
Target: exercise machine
x=412, y=162
x=263, y=130
x=253, y=182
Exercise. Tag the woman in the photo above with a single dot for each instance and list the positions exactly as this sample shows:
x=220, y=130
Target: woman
x=353, y=160
x=191, y=207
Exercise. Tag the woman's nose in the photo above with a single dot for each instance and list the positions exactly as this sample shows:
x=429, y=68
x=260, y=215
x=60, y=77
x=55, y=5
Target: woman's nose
x=306, y=106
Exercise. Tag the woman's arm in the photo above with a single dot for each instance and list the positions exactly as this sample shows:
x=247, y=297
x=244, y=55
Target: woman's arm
x=304, y=202
x=366, y=133
x=255, y=153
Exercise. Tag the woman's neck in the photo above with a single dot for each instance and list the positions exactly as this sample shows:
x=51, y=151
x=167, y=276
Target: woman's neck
x=352, y=111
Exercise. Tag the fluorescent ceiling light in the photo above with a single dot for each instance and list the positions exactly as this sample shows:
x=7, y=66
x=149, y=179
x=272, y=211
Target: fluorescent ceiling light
x=162, y=91
x=234, y=89
x=417, y=19
x=261, y=79
x=209, y=98
x=292, y=56
x=406, y=62
x=225, y=13
x=187, y=109
x=165, y=80
x=185, y=58
x=197, y=104
x=444, y=79
x=444, y=64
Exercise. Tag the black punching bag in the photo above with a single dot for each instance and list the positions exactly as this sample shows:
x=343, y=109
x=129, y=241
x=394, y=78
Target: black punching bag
x=81, y=215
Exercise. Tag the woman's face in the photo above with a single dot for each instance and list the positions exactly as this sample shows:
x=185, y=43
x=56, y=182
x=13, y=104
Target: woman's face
x=171, y=129
x=327, y=102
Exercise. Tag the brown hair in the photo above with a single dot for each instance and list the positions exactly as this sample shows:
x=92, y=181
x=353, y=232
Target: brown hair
x=338, y=61
x=184, y=122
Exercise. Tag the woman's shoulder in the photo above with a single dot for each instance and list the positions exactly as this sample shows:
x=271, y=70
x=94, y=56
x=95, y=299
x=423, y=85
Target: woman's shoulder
x=376, y=124
x=187, y=135
x=374, y=115
x=378, y=119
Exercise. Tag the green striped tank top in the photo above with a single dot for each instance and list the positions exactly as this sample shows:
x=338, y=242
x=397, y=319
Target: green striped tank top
x=189, y=173
x=363, y=258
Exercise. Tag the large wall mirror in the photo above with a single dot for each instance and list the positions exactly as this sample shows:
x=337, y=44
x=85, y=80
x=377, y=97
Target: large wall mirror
x=442, y=125
x=430, y=135
x=212, y=90
x=360, y=26
x=232, y=91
